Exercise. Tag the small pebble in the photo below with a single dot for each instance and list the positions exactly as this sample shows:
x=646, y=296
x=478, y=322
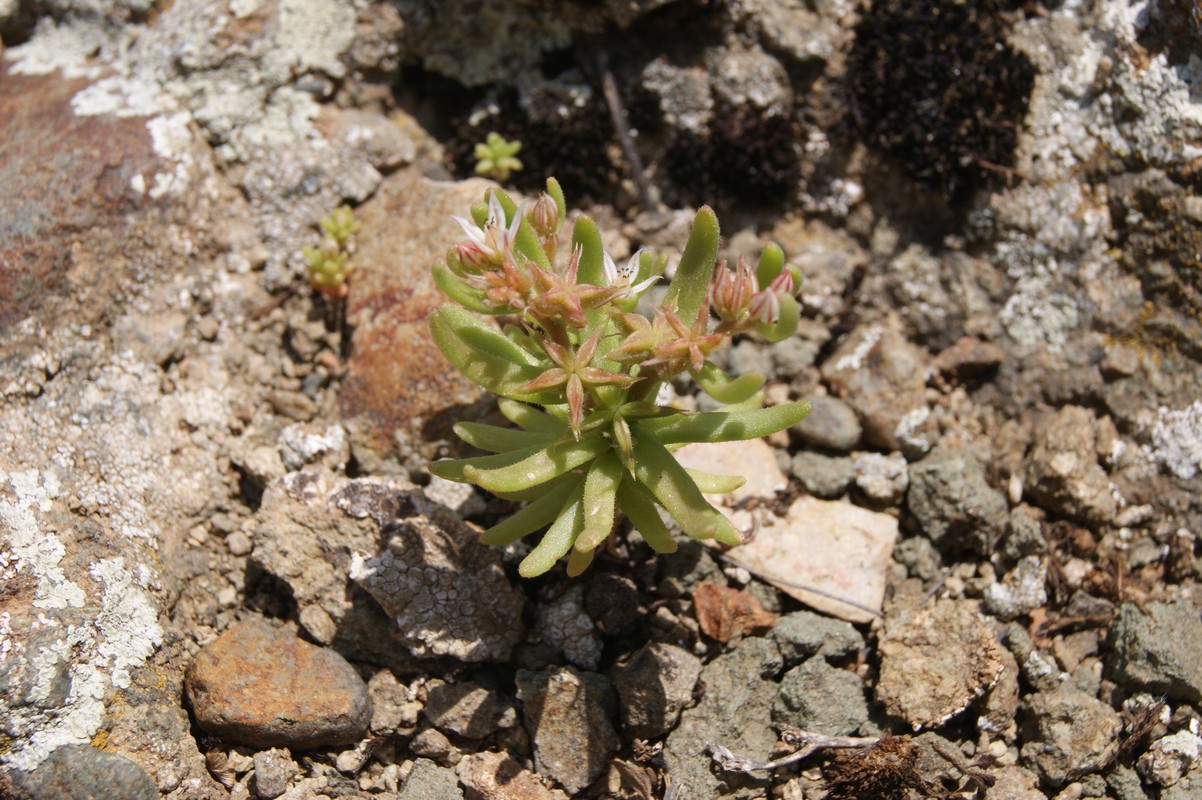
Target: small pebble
x=261, y=686
x=831, y=424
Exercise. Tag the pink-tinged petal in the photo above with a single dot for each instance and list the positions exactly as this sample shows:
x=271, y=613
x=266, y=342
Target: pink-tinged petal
x=575, y=404
x=783, y=282
x=496, y=213
x=548, y=380
x=765, y=306
x=588, y=348
x=595, y=376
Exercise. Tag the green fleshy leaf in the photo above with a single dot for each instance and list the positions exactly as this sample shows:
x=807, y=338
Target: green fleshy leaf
x=724, y=426
x=725, y=389
x=592, y=259
x=532, y=493
x=638, y=505
x=453, y=468
x=786, y=323
x=496, y=439
x=709, y=483
x=772, y=261
x=536, y=514
x=529, y=418
x=558, y=539
x=459, y=291
x=556, y=192
x=663, y=475
x=579, y=561
x=600, y=490
x=690, y=286
x=539, y=467
x=479, y=360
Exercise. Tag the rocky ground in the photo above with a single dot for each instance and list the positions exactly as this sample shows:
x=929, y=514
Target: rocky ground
x=225, y=572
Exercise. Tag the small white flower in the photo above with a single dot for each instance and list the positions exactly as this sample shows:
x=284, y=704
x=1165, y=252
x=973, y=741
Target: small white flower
x=494, y=238
x=615, y=275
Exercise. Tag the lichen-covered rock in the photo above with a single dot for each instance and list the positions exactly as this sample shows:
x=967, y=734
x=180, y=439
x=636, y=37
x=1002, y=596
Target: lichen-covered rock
x=314, y=533
x=262, y=686
x=564, y=624
x=1067, y=733
x=568, y=715
x=1160, y=651
x=1023, y=590
x=654, y=687
x=936, y=661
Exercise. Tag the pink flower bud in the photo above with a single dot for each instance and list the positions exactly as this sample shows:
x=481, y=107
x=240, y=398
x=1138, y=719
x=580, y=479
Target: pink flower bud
x=544, y=216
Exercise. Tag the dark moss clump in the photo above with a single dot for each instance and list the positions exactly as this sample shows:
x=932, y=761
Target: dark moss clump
x=558, y=138
x=936, y=86
x=744, y=158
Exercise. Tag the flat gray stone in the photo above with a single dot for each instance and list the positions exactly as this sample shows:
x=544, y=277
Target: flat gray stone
x=1160, y=652
x=81, y=771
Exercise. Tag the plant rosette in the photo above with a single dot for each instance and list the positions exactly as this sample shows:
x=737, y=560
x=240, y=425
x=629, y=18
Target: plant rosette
x=554, y=333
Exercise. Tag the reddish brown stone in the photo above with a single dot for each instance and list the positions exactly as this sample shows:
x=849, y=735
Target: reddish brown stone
x=397, y=380
x=66, y=184
x=261, y=686
x=724, y=613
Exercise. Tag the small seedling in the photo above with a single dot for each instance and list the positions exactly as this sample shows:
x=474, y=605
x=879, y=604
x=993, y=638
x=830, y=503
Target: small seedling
x=328, y=262
x=578, y=372
x=496, y=157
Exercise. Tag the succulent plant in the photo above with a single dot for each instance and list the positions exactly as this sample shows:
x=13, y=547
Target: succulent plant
x=578, y=373
x=496, y=157
x=327, y=263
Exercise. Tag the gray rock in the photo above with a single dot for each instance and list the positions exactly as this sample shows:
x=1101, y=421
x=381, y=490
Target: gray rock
x=823, y=476
x=919, y=557
x=831, y=424
x=748, y=356
x=1170, y=757
x=683, y=94
x=1160, y=652
x=81, y=771
x=882, y=478
x=274, y=768
x=1067, y=733
x=468, y=709
x=807, y=32
x=803, y=634
x=1062, y=470
x=1123, y=781
x=433, y=744
x=683, y=571
x=954, y=503
x=1188, y=788
x=735, y=711
x=568, y=715
x=258, y=685
x=428, y=781
x=819, y=698
x=1024, y=534
x=1023, y=590
x=654, y=687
